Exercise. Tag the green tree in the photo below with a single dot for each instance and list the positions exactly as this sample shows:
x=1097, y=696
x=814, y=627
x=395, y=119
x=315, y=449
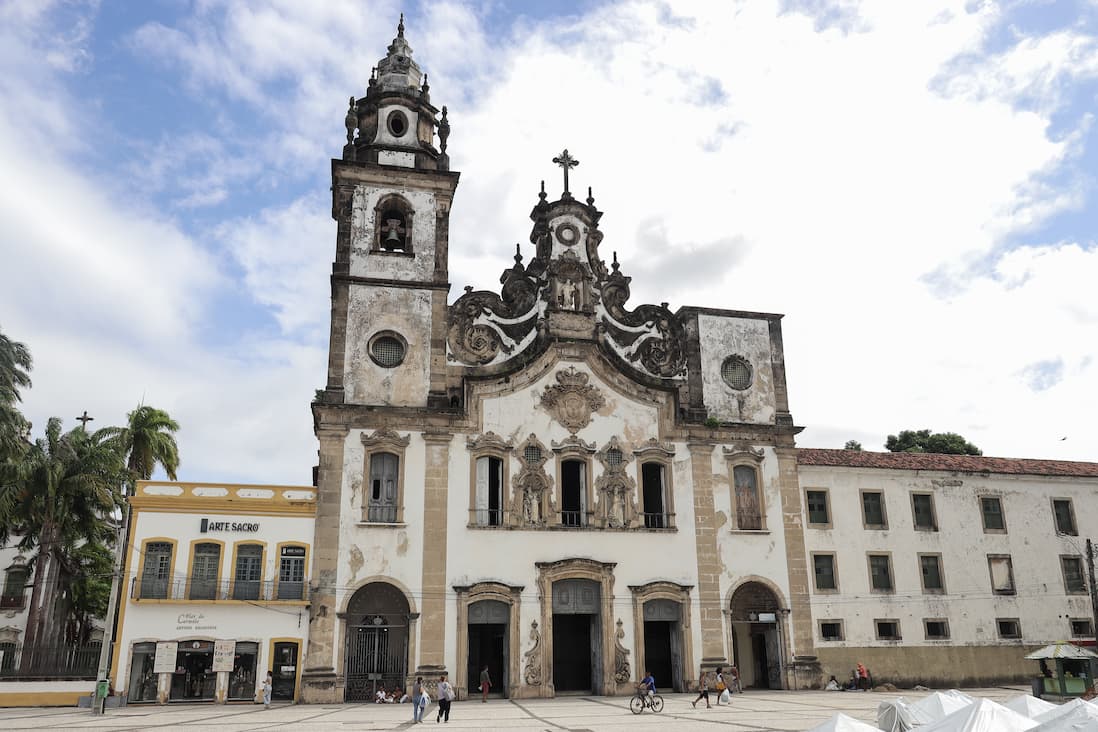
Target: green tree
x=949, y=443
x=57, y=498
x=145, y=442
x=91, y=567
x=15, y=363
x=853, y=445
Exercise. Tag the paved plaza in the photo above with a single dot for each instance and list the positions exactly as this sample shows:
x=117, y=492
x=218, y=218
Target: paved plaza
x=762, y=710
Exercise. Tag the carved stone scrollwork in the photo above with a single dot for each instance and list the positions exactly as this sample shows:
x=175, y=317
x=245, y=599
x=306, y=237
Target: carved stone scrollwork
x=386, y=437
x=654, y=446
x=622, y=672
x=531, y=672
x=616, y=489
x=744, y=452
x=571, y=443
x=650, y=335
x=489, y=440
x=572, y=401
x=532, y=495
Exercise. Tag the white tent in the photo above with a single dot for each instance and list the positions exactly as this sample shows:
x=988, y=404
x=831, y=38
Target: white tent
x=1059, y=711
x=983, y=715
x=1028, y=705
x=1081, y=718
x=842, y=723
x=900, y=715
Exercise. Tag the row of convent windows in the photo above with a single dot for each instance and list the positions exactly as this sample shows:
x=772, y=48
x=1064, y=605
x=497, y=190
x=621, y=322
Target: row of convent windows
x=204, y=581
x=573, y=495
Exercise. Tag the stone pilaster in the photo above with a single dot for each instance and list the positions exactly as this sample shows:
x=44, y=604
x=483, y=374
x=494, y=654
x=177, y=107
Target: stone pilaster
x=802, y=647
x=705, y=538
x=433, y=608
x=320, y=682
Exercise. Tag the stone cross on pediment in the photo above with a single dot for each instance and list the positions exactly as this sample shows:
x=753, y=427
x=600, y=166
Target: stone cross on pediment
x=566, y=161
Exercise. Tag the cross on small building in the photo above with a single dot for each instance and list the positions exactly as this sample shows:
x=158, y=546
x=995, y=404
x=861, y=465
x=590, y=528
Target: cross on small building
x=83, y=419
x=566, y=161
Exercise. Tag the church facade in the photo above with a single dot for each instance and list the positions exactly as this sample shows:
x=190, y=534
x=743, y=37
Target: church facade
x=548, y=482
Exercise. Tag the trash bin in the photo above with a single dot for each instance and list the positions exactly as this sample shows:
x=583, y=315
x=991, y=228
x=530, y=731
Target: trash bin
x=1037, y=684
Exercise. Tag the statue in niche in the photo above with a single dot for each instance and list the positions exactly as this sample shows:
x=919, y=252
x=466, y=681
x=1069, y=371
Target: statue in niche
x=531, y=500
x=568, y=296
x=616, y=517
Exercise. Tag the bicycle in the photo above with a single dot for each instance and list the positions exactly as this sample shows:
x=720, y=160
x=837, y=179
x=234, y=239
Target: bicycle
x=641, y=701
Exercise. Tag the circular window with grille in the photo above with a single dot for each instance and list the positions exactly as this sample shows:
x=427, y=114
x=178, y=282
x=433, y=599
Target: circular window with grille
x=398, y=123
x=736, y=372
x=388, y=349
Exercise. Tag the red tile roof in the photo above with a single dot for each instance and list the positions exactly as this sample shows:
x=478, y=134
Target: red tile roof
x=949, y=463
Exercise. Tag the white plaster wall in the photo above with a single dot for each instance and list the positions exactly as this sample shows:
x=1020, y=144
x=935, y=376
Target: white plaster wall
x=1041, y=605
x=405, y=311
x=384, y=137
x=421, y=265
x=721, y=337
x=38, y=687
x=580, y=245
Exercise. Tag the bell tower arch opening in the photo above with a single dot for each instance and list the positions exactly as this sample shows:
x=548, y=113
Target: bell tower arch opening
x=377, y=622
x=758, y=651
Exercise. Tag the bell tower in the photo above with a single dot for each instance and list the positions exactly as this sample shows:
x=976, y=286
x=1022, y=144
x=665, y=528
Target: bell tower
x=391, y=197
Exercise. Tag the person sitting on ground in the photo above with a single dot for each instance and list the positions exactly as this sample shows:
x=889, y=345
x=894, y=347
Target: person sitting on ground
x=832, y=685
x=400, y=695
x=379, y=696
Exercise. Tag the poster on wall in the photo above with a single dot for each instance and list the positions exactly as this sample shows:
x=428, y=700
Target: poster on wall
x=164, y=661
x=224, y=655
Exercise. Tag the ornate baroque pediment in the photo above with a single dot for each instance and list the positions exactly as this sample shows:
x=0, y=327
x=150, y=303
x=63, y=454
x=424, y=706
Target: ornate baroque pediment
x=489, y=440
x=572, y=401
x=386, y=437
x=743, y=452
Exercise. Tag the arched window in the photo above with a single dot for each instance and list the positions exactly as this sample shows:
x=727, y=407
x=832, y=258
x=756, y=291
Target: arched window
x=14, y=585
x=156, y=572
x=393, y=225
x=205, y=569
x=384, y=476
x=248, y=571
x=749, y=515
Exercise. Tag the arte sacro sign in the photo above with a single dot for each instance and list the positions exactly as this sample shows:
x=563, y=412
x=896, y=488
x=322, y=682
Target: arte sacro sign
x=208, y=526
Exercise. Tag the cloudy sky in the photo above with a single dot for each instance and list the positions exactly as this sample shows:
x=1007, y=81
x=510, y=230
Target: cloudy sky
x=912, y=184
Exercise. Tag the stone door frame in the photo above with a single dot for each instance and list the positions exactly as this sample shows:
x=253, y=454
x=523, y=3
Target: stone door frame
x=509, y=595
x=341, y=631
x=782, y=625
x=663, y=590
x=577, y=568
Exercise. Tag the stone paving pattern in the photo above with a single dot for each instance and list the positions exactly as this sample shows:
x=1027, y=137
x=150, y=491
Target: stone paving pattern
x=753, y=711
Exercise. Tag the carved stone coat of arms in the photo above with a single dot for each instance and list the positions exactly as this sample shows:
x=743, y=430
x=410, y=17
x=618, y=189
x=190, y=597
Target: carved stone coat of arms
x=572, y=400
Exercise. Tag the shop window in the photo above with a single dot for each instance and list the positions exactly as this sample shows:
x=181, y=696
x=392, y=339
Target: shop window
x=991, y=508
x=205, y=566
x=573, y=493
x=248, y=572
x=887, y=629
x=922, y=507
x=818, y=513
x=156, y=574
x=936, y=629
x=242, y=681
x=291, y=573
x=749, y=515
x=930, y=569
x=880, y=573
x=194, y=678
x=873, y=512
x=831, y=630
x=654, y=491
x=823, y=567
x=1002, y=574
x=1072, y=568
x=15, y=583
x=384, y=474
x=488, y=495
x=1082, y=628
x=142, y=683
x=1064, y=515
x=1008, y=628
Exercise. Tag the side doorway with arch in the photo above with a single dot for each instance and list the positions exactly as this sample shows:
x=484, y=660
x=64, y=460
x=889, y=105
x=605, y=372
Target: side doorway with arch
x=758, y=647
x=661, y=619
x=487, y=635
x=377, y=623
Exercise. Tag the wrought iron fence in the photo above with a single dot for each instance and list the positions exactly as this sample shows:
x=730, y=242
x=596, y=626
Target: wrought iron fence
x=53, y=662
x=571, y=518
x=657, y=520
x=488, y=517
x=182, y=587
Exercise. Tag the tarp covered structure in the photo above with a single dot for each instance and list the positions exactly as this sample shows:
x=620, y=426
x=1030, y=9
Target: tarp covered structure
x=1028, y=705
x=1082, y=717
x=1064, y=709
x=901, y=715
x=842, y=723
x=982, y=715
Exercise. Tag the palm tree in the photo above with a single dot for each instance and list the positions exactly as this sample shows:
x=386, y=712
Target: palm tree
x=145, y=442
x=15, y=362
x=55, y=499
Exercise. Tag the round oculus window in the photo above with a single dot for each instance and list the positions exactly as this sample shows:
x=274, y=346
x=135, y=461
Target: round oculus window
x=387, y=351
x=736, y=372
x=398, y=123
x=567, y=234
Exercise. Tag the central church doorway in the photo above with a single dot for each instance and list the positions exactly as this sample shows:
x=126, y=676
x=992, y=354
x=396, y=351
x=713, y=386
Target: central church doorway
x=377, y=641
x=488, y=620
x=577, y=636
x=663, y=643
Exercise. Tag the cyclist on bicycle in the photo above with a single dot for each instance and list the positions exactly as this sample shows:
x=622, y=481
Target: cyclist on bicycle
x=647, y=686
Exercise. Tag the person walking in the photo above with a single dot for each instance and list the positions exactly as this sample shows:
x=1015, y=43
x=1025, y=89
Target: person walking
x=703, y=690
x=417, y=701
x=445, y=696
x=719, y=685
x=485, y=684
x=268, y=686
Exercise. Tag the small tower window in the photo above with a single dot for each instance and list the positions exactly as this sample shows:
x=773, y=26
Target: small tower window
x=398, y=123
x=387, y=350
x=736, y=372
x=394, y=232
x=393, y=225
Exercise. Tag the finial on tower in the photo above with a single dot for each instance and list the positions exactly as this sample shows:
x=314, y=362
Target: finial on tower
x=518, y=253
x=443, y=130
x=400, y=27
x=615, y=264
x=590, y=197
x=566, y=161
x=542, y=194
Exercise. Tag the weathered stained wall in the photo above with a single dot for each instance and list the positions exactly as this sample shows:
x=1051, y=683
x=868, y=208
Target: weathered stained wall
x=942, y=666
x=393, y=265
x=721, y=337
x=405, y=311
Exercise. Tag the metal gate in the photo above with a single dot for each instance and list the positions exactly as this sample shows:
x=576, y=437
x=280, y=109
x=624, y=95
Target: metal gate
x=377, y=657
